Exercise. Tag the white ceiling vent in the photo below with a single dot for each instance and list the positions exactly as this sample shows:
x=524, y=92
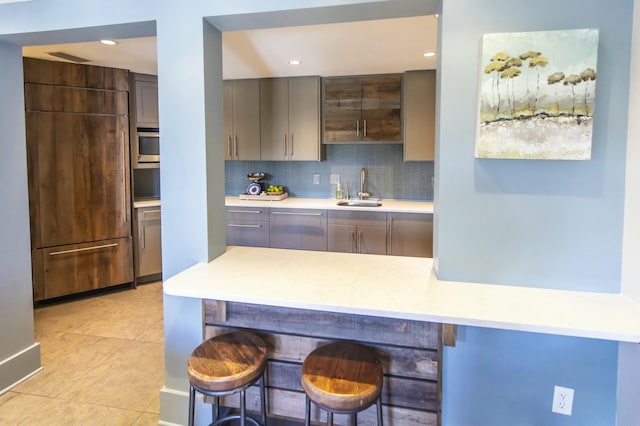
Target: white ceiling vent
x=68, y=57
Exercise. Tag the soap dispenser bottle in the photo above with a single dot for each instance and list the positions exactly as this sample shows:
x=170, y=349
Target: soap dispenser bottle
x=338, y=191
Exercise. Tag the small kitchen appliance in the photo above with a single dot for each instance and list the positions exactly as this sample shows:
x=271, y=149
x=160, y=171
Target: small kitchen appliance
x=255, y=190
x=255, y=187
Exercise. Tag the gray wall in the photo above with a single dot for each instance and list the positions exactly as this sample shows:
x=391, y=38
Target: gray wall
x=16, y=312
x=552, y=224
x=531, y=223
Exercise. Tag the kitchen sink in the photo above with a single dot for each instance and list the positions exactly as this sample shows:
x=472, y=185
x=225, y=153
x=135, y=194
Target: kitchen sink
x=360, y=203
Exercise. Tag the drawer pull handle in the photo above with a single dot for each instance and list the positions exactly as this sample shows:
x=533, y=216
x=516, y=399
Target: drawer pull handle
x=235, y=225
x=150, y=211
x=245, y=211
x=297, y=214
x=56, y=253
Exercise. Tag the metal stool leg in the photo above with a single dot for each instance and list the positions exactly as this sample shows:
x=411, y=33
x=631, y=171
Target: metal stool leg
x=329, y=418
x=263, y=401
x=307, y=414
x=355, y=419
x=243, y=409
x=192, y=402
x=215, y=409
x=379, y=408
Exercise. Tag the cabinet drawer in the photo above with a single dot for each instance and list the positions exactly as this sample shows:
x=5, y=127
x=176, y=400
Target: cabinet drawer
x=247, y=213
x=147, y=213
x=301, y=229
x=348, y=217
x=63, y=270
x=248, y=233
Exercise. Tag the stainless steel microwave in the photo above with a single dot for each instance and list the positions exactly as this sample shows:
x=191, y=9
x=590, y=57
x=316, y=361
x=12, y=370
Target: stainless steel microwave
x=148, y=144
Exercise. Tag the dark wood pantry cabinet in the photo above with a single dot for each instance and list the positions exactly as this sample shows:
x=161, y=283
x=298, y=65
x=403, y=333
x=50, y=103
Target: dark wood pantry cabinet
x=77, y=132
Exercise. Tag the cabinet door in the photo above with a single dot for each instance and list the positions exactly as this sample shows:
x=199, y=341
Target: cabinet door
x=246, y=120
x=302, y=229
x=228, y=119
x=147, y=103
x=78, y=177
x=60, y=271
x=371, y=239
x=419, y=106
x=149, y=243
x=274, y=119
x=304, y=119
x=381, y=106
x=357, y=231
x=410, y=234
x=342, y=113
x=342, y=238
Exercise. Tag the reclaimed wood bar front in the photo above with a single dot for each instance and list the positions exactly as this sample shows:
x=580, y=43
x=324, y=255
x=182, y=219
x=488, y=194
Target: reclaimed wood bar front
x=409, y=350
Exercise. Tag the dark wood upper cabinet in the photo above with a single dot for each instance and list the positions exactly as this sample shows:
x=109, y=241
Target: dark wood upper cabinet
x=362, y=109
x=74, y=75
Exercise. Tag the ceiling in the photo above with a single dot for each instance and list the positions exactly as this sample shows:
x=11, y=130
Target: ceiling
x=352, y=48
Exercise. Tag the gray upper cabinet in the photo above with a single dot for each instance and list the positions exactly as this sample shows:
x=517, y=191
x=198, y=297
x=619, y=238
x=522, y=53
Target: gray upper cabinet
x=410, y=234
x=242, y=119
x=146, y=101
x=419, y=108
x=290, y=119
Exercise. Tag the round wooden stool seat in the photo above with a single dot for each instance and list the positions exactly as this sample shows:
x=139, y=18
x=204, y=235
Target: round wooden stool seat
x=342, y=377
x=227, y=362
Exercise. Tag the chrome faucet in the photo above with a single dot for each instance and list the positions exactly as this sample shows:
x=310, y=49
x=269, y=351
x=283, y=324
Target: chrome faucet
x=363, y=195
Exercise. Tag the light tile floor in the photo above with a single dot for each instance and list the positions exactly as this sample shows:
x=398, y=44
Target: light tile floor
x=102, y=359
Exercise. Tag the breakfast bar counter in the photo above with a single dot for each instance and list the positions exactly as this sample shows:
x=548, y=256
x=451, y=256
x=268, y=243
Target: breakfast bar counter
x=297, y=300
x=402, y=288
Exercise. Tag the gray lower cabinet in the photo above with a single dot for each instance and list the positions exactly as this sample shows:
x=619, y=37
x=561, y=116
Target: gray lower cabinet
x=410, y=234
x=357, y=232
x=148, y=242
x=247, y=226
x=302, y=229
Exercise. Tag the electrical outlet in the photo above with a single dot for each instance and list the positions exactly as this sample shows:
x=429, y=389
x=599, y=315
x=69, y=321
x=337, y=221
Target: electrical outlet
x=316, y=179
x=334, y=178
x=562, y=400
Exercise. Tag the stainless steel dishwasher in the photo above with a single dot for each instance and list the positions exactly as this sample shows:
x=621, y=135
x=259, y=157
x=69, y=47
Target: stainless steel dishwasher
x=148, y=243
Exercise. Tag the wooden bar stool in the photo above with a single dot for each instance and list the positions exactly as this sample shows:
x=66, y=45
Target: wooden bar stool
x=342, y=378
x=227, y=364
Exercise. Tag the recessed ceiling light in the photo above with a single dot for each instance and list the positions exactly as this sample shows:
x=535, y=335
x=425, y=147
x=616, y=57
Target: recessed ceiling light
x=295, y=62
x=429, y=54
x=108, y=42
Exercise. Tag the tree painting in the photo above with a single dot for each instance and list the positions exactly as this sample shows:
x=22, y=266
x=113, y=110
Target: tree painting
x=537, y=95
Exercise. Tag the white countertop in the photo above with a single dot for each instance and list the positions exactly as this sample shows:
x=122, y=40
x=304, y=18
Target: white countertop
x=401, y=287
x=388, y=205
x=146, y=203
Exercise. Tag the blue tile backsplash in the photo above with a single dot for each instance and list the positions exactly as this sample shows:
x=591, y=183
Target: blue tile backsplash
x=387, y=175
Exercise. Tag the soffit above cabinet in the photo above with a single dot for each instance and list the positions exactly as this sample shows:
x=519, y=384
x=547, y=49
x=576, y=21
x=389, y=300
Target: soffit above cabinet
x=351, y=48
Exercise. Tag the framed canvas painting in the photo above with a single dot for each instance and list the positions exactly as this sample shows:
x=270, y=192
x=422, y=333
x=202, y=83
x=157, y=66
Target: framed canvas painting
x=537, y=95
